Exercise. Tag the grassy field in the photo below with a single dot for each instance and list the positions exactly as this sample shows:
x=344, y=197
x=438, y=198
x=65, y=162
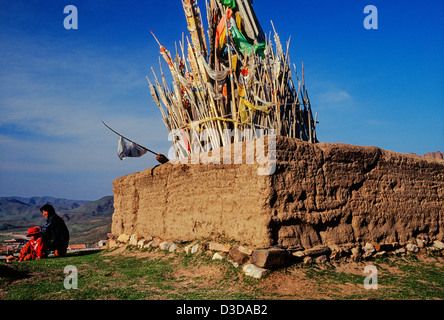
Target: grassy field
x=130, y=274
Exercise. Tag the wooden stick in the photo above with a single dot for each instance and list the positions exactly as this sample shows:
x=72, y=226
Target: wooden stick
x=128, y=139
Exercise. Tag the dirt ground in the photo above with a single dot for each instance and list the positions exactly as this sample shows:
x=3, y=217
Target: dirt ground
x=398, y=277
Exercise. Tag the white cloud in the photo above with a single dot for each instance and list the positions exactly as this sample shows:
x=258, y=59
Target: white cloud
x=51, y=108
x=335, y=97
x=66, y=93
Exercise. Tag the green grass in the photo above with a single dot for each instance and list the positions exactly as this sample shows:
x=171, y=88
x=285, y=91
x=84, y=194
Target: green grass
x=398, y=278
x=152, y=274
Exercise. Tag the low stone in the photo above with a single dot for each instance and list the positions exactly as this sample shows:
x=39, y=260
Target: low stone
x=337, y=254
x=238, y=256
x=164, y=245
x=173, y=247
x=134, y=239
x=245, y=250
x=123, y=238
x=400, y=250
x=187, y=248
x=438, y=244
x=421, y=243
x=299, y=254
x=321, y=259
x=141, y=243
x=254, y=271
x=270, y=258
x=191, y=248
x=295, y=248
x=308, y=260
x=412, y=248
x=317, y=251
x=217, y=256
x=195, y=248
x=380, y=253
x=219, y=247
x=368, y=249
x=340, y=251
x=156, y=242
x=111, y=243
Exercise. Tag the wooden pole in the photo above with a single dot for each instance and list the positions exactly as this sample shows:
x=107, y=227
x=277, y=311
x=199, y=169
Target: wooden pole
x=233, y=100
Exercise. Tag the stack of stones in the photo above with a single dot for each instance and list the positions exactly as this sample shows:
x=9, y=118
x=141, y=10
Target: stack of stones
x=259, y=262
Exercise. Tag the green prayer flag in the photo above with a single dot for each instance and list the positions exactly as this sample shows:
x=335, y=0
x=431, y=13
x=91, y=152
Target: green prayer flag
x=244, y=46
x=259, y=49
x=229, y=3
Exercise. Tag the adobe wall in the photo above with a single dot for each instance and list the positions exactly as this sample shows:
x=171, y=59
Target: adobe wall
x=319, y=194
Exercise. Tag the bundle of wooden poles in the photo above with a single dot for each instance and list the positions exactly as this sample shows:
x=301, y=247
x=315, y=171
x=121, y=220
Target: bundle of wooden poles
x=234, y=83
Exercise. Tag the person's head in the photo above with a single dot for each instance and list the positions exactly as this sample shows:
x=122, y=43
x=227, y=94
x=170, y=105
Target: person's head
x=34, y=233
x=47, y=210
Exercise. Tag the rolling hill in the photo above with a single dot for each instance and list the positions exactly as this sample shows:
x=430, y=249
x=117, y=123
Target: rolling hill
x=25, y=205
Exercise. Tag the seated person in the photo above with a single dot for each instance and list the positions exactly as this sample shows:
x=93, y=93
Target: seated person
x=54, y=232
x=35, y=249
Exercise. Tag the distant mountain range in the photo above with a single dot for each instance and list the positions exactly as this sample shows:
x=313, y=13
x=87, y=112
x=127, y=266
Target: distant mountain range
x=88, y=221
x=20, y=205
x=434, y=155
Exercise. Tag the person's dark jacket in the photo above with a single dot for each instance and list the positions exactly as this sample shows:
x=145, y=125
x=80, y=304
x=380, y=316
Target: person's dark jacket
x=54, y=232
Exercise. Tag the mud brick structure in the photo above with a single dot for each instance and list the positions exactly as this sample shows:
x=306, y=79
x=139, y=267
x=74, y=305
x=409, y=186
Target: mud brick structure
x=319, y=194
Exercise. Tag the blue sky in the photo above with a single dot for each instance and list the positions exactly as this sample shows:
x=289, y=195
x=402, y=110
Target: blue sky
x=381, y=87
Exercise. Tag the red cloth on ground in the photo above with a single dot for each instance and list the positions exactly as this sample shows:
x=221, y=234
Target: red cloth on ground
x=33, y=250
